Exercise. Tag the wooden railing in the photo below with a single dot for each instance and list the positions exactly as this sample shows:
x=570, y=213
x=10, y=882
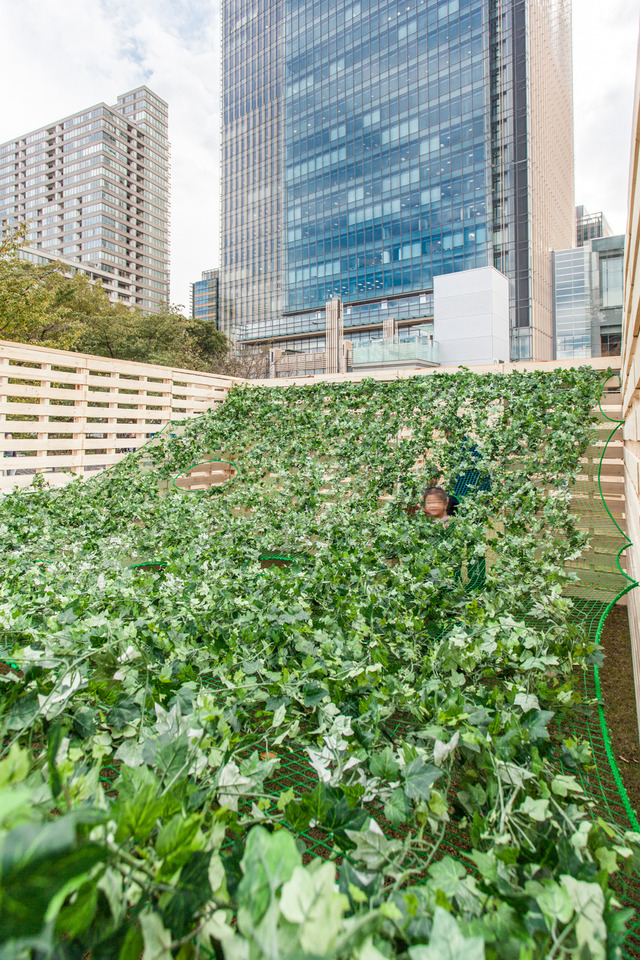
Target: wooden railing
x=598, y=363
x=64, y=413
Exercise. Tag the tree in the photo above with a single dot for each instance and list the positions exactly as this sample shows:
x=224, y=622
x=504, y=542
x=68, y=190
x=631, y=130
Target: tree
x=129, y=334
x=209, y=341
x=38, y=302
x=43, y=304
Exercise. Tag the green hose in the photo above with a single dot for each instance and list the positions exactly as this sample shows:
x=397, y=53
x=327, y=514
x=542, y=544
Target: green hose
x=630, y=586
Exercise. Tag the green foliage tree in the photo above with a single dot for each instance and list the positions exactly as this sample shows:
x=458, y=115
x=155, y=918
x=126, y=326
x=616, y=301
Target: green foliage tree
x=165, y=337
x=38, y=302
x=210, y=342
x=43, y=304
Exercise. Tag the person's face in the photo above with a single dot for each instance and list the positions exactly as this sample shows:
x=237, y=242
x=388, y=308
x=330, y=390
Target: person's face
x=435, y=507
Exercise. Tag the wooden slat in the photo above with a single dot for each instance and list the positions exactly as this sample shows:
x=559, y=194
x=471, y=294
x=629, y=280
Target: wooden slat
x=92, y=388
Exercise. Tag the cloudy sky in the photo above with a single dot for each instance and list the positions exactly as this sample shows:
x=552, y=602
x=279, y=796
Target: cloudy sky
x=58, y=58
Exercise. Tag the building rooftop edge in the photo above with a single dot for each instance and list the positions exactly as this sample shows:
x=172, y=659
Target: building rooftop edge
x=93, y=106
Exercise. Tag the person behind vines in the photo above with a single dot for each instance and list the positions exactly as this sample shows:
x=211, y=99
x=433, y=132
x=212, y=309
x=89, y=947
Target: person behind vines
x=436, y=504
x=470, y=481
x=440, y=507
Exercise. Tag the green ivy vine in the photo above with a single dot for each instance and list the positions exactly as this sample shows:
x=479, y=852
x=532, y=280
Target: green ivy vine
x=183, y=720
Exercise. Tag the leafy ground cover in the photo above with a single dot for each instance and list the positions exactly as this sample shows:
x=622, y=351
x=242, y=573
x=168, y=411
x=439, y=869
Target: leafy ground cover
x=353, y=751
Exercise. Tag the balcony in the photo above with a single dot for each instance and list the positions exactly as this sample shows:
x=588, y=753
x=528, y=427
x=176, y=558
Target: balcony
x=384, y=354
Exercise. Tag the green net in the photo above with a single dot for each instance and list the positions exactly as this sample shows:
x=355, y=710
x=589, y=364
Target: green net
x=599, y=505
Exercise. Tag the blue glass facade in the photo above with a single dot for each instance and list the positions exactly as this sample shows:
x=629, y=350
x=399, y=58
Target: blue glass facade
x=251, y=207
x=387, y=132
x=204, y=297
x=370, y=146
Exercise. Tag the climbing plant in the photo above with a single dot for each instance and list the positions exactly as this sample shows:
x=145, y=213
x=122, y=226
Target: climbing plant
x=279, y=718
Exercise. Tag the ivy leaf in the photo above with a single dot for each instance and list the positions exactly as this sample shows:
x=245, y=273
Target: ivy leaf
x=314, y=805
x=131, y=753
x=528, y=701
x=157, y=940
x=309, y=900
x=192, y=893
x=54, y=739
x=14, y=803
x=132, y=945
x=384, y=765
x=419, y=778
x=252, y=667
x=340, y=817
x=53, y=703
x=123, y=712
x=588, y=902
x=397, y=809
x=536, y=722
x=138, y=805
x=538, y=810
x=368, y=951
x=442, y=750
x=36, y=862
x=314, y=694
x=372, y=847
x=84, y=721
x=447, y=943
x=232, y=785
x=512, y=774
x=279, y=715
x=554, y=902
x=79, y=913
x=174, y=838
x=268, y=862
x=446, y=875
x=562, y=785
x=367, y=885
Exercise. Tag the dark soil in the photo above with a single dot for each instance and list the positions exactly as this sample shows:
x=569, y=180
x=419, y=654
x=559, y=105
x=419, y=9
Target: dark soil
x=5, y=668
x=618, y=695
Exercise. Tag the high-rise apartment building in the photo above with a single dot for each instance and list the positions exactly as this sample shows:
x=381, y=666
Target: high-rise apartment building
x=369, y=146
x=94, y=188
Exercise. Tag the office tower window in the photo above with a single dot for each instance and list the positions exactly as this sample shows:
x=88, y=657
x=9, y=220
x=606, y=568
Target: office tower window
x=611, y=281
x=370, y=146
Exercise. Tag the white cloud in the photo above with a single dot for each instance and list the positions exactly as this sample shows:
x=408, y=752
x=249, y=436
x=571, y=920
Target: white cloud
x=64, y=57
x=605, y=40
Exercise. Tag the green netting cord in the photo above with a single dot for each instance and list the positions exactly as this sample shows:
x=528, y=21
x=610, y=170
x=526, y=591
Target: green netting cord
x=630, y=586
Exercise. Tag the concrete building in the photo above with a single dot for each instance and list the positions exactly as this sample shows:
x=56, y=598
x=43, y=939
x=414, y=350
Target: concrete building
x=94, y=189
x=588, y=299
x=204, y=297
x=371, y=146
x=471, y=323
x=590, y=226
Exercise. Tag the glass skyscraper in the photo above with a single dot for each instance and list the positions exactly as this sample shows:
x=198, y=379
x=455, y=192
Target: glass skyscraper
x=371, y=146
x=588, y=298
x=204, y=297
